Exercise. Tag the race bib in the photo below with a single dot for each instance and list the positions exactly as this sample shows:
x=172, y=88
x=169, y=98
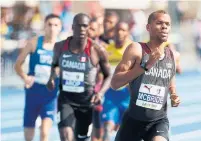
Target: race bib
x=73, y=82
x=150, y=96
x=42, y=74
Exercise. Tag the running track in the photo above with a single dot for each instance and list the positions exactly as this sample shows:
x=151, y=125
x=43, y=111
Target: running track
x=185, y=121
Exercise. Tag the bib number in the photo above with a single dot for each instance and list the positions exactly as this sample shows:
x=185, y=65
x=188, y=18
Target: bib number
x=151, y=96
x=73, y=82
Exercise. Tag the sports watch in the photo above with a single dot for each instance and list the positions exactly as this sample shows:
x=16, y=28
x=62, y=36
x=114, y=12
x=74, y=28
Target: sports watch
x=144, y=61
x=144, y=66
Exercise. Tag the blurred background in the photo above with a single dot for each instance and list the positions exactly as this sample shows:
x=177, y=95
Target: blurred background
x=21, y=20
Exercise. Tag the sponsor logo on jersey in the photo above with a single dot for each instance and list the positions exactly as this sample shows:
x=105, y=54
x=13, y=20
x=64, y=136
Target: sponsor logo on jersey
x=66, y=56
x=150, y=96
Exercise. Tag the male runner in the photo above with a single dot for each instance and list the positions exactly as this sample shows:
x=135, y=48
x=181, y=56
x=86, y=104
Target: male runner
x=78, y=59
x=93, y=33
x=110, y=21
x=149, y=68
x=38, y=100
x=116, y=102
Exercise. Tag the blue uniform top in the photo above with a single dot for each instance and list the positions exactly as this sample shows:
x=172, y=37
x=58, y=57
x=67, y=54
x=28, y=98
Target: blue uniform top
x=40, y=67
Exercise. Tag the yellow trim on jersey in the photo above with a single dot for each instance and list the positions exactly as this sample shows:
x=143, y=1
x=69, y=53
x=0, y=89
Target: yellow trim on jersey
x=165, y=44
x=115, y=54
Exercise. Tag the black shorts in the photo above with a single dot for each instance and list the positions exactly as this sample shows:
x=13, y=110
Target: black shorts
x=79, y=118
x=135, y=130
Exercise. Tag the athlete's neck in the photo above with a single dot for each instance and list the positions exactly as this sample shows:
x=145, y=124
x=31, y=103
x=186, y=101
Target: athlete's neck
x=78, y=45
x=108, y=35
x=153, y=45
x=120, y=43
x=50, y=39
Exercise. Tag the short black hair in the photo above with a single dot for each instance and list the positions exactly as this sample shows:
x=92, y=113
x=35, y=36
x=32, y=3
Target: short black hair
x=50, y=16
x=111, y=13
x=153, y=15
x=80, y=15
x=122, y=22
x=93, y=20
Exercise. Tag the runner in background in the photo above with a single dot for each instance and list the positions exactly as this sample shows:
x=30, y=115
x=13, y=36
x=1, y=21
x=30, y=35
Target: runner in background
x=116, y=101
x=78, y=59
x=93, y=33
x=38, y=100
x=110, y=21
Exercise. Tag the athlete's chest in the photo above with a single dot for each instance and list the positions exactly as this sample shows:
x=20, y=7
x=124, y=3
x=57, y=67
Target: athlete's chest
x=162, y=69
x=71, y=61
x=43, y=56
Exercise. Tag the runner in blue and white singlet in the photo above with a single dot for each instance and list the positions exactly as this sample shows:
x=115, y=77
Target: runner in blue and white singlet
x=39, y=101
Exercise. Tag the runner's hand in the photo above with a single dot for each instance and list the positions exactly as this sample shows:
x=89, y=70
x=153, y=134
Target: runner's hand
x=29, y=81
x=50, y=85
x=175, y=100
x=153, y=57
x=155, y=54
x=96, y=99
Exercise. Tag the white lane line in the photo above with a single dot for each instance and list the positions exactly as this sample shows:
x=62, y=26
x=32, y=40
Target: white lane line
x=188, y=136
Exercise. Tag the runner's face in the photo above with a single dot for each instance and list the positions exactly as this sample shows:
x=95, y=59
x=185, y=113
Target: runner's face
x=159, y=27
x=80, y=27
x=93, y=30
x=110, y=23
x=122, y=31
x=53, y=27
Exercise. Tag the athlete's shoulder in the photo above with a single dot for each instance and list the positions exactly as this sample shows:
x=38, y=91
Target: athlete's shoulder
x=33, y=40
x=134, y=46
x=60, y=43
x=134, y=50
x=96, y=45
x=99, y=49
x=31, y=44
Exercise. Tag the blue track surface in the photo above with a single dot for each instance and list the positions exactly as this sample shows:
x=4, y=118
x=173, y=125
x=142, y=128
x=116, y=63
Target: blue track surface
x=185, y=120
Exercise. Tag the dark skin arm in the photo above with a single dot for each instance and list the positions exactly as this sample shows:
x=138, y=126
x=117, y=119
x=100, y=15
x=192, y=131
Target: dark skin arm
x=175, y=100
x=54, y=68
x=105, y=69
